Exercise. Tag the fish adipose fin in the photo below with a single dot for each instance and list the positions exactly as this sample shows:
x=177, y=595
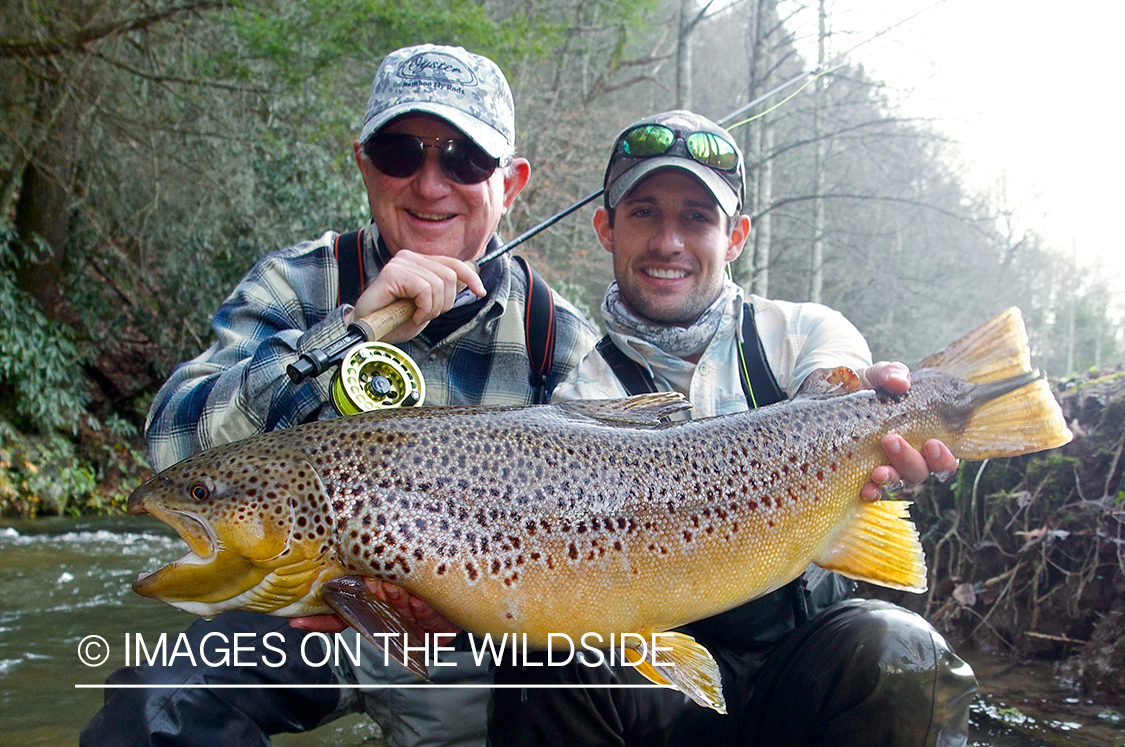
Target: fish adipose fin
x=642, y=409
x=1012, y=409
x=376, y=621
x=683, y=664
x=880, y=545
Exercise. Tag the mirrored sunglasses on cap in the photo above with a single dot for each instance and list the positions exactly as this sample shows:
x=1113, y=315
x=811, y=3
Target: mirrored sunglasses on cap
x=400, y=155
x=651, y=140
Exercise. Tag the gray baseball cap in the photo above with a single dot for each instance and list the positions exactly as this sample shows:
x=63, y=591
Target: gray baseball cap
x=626, y=169
x=467, y=90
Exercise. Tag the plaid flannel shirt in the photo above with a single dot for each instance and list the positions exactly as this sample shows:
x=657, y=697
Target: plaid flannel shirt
x=286, y=306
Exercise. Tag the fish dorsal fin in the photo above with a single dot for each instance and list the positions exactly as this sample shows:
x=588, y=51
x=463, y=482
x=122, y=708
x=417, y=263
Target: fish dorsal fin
x=643, y=409
x=995, y=350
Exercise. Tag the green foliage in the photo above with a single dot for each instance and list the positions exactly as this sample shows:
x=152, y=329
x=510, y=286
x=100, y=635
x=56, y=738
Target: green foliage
x=55, y=475
x=38, y=475
x=40, y=364
x=369, y=29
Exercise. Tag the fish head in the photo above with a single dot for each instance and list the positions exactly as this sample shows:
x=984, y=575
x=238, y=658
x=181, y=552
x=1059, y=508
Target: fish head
x=257, y=531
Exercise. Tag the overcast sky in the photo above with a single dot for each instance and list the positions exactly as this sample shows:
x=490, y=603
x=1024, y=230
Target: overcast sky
x=1030, y=88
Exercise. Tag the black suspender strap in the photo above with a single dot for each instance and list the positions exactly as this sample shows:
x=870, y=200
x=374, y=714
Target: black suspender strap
x=349, y=260
x=758, y=382
x=632, y=375
x=539, y=327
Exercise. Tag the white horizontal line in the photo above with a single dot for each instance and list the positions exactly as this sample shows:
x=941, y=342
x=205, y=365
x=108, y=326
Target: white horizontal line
x=463, y=686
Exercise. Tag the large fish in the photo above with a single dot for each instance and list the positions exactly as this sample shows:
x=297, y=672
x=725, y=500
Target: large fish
x=585, y=517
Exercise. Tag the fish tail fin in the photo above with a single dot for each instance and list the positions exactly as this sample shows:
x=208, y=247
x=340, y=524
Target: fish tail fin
x=1012, y=410
x=993, y=351
x=679, y=662
x=880, y=545
x=1024, y=420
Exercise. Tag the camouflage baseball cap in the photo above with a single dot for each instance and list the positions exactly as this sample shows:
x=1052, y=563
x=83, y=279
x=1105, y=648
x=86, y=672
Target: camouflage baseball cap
x=677, y=140
x=465, y=89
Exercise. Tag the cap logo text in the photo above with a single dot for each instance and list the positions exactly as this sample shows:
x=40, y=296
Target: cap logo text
x=437, y=67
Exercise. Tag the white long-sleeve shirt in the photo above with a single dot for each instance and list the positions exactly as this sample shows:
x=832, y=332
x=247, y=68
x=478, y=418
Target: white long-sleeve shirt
x=798, y=338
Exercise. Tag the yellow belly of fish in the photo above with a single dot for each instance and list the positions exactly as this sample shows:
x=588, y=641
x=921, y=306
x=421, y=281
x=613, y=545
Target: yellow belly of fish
x=606, y=583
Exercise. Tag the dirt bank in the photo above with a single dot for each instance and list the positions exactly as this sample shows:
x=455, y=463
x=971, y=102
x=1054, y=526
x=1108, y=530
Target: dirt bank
x=1027, y=555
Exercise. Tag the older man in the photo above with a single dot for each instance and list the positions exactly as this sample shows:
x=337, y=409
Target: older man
x=801, y=666
x=437, y=157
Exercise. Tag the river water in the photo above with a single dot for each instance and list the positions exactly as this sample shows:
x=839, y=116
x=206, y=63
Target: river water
x=65, y=581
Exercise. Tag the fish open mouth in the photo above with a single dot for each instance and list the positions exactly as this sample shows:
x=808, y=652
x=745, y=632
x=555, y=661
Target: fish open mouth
x=202, y=546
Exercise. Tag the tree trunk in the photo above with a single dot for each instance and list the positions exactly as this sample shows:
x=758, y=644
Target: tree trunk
x=43, y=207
x=683, y=55
x=816, y=264
x=759, y=148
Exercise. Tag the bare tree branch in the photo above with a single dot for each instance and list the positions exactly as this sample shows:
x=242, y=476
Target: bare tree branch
x=78, y=41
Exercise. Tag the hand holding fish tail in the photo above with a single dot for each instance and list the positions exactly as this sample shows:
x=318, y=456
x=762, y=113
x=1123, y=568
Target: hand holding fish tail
x=908, y=466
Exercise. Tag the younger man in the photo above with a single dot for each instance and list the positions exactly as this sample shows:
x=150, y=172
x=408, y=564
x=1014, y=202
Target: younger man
x=800, y=666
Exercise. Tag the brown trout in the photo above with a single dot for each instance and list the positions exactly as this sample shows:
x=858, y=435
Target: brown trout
x=585, y=517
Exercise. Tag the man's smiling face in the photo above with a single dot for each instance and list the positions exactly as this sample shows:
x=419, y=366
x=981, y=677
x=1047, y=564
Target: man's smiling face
x=670, y=245
x=427, y=212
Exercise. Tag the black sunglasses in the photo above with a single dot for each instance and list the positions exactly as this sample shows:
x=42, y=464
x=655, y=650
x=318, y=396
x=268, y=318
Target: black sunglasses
x=400, y=155
x=651, y=140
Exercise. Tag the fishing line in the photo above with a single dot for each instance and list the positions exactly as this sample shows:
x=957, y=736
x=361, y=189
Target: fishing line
x=812, y=75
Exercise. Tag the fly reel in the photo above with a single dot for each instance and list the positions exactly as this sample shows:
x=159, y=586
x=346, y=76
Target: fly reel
x=376, y=376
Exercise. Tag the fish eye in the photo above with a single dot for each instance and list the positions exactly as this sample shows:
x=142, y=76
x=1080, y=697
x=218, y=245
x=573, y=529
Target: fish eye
x=199, y=492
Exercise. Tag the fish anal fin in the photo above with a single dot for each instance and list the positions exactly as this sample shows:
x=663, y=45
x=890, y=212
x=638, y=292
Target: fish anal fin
x=639, y=410
x=376, y=621
x=880, y=545
x=679, y=662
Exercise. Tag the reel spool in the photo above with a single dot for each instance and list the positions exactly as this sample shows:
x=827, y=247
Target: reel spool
x=376, y=376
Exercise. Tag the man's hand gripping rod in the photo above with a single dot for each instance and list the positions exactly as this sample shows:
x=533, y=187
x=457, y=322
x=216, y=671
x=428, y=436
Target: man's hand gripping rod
x=378, y=323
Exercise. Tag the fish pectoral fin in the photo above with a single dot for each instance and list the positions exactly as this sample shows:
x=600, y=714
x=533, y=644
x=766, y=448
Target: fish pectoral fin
x=642, y=410
x=679, y=662
x=880, y=545
x=281, y=588
x=376, y=621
